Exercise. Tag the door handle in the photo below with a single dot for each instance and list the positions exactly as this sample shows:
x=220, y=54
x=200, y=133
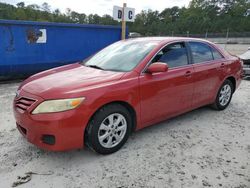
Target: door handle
x=222, y=65
x=188, y=74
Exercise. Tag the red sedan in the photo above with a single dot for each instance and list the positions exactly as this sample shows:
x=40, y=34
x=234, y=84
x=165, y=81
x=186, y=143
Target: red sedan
x=127, y=86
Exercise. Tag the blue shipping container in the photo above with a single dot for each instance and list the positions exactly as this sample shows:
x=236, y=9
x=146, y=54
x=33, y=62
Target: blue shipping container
x=29, y=47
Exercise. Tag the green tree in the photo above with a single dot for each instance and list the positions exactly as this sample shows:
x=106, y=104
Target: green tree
x=200, y=16
x=20, y=5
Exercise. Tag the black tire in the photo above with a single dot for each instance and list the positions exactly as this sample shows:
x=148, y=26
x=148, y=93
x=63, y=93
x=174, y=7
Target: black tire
x=92, y=130
x=217, y=105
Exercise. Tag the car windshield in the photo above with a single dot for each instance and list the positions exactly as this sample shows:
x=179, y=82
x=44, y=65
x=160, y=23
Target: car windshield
x=122, y=56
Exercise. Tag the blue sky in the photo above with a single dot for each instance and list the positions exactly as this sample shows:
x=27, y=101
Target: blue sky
x=104, y=6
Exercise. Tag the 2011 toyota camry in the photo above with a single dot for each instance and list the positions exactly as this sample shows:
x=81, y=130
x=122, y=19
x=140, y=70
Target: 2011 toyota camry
x=127, y=86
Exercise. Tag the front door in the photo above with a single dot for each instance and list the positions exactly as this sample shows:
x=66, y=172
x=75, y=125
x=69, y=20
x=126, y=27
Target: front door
x=167, y=94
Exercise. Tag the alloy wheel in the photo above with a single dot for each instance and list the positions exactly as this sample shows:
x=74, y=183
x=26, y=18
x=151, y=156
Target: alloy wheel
x=112, y=130
x=225, y=95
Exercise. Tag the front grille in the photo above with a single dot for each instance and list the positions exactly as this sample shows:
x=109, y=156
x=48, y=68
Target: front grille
x=23, y=103
x=246, y=66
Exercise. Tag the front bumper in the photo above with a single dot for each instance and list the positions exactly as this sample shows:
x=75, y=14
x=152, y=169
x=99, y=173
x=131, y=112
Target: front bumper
x=246, y=67
x=66, y=128
x=246, y=71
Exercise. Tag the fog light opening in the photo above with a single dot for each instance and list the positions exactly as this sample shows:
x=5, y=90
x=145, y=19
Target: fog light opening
x=49, y=139
x=23, y=130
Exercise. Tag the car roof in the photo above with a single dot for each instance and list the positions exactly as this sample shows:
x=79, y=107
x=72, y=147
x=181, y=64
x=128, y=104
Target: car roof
x=166, y=39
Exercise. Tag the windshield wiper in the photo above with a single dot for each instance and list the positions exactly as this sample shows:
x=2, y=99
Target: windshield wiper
x=95, y=66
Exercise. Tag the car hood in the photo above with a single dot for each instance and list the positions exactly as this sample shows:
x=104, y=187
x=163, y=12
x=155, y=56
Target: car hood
x=57, y=82
x=246, y=55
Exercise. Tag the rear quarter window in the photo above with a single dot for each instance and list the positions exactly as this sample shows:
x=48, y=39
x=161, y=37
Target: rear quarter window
x=216, y=54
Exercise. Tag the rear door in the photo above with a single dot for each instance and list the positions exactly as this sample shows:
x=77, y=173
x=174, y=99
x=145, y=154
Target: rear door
x=207, y=71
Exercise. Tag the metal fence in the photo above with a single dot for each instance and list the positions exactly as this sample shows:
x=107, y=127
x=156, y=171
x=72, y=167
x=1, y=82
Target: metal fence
x=224, y=38
x=227, y=34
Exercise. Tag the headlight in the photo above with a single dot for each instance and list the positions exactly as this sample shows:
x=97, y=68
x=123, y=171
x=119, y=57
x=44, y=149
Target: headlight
x=58, y=105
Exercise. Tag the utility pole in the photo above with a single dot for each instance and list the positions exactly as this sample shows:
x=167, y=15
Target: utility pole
x=206, y=34
x=227, y=34
x=123, y=22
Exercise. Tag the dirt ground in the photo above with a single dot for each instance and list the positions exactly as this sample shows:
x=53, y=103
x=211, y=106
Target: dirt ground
x=202, y=148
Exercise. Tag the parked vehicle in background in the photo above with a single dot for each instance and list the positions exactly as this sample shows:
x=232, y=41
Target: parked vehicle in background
x=246, y=62
x=125, y=87
x=134, y=35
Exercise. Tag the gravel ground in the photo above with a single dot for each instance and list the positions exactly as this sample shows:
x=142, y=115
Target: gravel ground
x=202, y=148
x=236, y=49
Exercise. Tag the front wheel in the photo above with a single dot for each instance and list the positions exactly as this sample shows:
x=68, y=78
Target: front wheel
x=224, y=96
x=109, y=129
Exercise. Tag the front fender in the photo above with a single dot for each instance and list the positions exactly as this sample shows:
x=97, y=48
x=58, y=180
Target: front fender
x=122, y=91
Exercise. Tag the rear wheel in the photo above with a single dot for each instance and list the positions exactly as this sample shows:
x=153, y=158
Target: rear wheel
x=109, y=129
x=224, y=96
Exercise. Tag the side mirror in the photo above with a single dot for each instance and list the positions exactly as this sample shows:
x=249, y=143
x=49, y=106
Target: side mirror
x=157, y=67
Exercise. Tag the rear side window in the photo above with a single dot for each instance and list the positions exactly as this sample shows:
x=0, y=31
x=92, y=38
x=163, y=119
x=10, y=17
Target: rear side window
x=175, y=55
x=216, y=54
x=200, y=52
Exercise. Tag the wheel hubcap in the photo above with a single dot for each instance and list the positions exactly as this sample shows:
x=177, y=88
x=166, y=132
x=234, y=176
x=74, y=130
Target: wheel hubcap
x=112, y=130
x=225, y=95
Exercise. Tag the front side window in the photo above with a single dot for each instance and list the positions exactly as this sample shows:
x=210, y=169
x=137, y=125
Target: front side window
x=200, y=52
x=175, y=55
x=122, y=56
